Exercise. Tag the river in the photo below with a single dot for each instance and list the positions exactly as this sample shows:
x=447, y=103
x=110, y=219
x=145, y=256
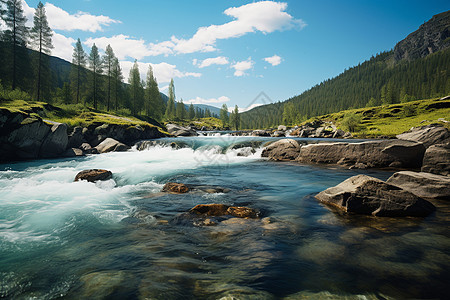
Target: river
x=124, y=239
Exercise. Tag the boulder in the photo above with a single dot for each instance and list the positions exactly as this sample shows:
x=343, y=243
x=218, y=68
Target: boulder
x=282, y=128
x=76, y=138
x=391, y=153
x=425, y=185
x=338, y=133
x=93, y=175
x=24, y=142
x=366, y=195
x=177, y=130
x=437, y=159
x=260, y=133
x=56, y=141
x=72, y=152
x=110, y=144
x=282, y=150
x=278, y=134
x=175, y=188
x=428, y=135
x=218, y=210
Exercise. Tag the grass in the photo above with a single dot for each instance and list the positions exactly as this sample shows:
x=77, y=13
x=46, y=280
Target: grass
x=72, y=115
x=390, y=120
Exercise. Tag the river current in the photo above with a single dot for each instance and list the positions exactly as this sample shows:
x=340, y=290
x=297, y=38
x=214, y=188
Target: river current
x=124, y=239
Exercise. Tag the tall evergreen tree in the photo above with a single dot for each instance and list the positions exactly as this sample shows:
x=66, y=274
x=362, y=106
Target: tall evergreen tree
x=117, y=81
x=235, y=118
x=154, y=104
x=224, y=115
x=78, y=70
x=95, y=65
x=170, y=110
x=136, y=89
x=191, y=113
x=181, y=110
x=16, y=36
x=108, y=62
x=207, y=113
x=41, y=40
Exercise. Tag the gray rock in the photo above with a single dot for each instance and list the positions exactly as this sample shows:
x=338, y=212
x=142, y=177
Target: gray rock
x=393, y=153
x=428, y=135
x=72, y=152
x=437, y=160
x=278, y=134
x=93, y=175
x=25, y=141
x=56, y=141
x=366, y=195
x=260, y=133
x=282, y=150
x=282, y=128
x=177, y=130
x=76, y=138
x=338, y=133
x=109, y=145
x=425, y=185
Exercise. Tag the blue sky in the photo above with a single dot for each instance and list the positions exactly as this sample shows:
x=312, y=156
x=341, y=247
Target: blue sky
x=230, y=51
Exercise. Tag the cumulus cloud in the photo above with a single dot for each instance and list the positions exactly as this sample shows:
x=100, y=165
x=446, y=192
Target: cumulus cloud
x=242, y=66
x=243, y=109
x=60, y=19
x=273, y=60
x=263, y=16
x=199, y=100
x=164, y=72
x=63, y=46
x=220, y=60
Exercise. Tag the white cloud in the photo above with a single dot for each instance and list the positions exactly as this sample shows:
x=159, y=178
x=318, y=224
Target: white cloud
x=220, y=60
x=164, y=72
x=273, y=60
x=263, y=16
x=243, y=109
x=63, y=46
x=199, y=100
x=59, y=19
x=242, y=66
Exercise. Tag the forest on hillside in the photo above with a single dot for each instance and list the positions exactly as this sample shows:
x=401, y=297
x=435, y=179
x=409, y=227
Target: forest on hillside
x=377, y=81
x=29, y=72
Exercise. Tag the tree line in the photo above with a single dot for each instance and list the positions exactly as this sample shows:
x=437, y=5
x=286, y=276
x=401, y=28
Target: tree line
x=93, y=79
x=378, y=81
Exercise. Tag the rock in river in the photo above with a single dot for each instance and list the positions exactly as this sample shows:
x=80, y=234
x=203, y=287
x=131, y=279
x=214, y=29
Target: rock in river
x=285, y=149
x=93, y=175
x=175, y=188
x=225, y=210
x=422, y=184
x=366, y=195
x=437, y=159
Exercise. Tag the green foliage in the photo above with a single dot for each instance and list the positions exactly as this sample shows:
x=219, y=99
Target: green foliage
x=351, y=122
x=376, y=78
x=409, y=110
x=191, y=113
x=224, y=115
x=78, y=70
x=96, y=67
x=170, y=109
x=235, y=118
x=181, y=110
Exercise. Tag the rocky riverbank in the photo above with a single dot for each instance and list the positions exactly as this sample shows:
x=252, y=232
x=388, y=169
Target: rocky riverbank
x=25, y=136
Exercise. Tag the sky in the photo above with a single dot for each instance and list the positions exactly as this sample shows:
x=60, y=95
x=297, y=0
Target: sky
x=236, y=52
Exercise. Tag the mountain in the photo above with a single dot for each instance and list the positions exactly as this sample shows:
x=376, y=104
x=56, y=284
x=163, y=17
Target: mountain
x=417, y=68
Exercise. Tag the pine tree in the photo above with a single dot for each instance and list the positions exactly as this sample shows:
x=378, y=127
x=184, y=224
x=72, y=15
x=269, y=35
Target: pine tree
x=108, y=62
x=170, y=110
x=154, y=102
x=235, y=119
x=191, y=113
x=206, y=114
x=41, y=39
x=136, y=89
x=117, y=82
x=16, y=36
x=224, y=115
x=78, y=70
x=95, y=65
x=181, y=110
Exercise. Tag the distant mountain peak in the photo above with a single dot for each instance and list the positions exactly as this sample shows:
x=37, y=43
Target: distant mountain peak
x=431, y=37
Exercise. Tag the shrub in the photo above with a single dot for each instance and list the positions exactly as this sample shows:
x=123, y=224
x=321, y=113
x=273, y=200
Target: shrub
x=351, y=122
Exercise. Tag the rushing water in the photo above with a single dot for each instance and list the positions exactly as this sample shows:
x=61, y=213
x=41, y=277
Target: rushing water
x=123, y=239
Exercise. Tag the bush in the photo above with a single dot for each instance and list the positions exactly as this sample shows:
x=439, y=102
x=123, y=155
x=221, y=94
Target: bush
x=409, y=111
x=351, y=122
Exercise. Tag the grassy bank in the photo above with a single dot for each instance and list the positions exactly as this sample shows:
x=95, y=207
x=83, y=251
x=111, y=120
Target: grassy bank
x=75, y=115
x=390, y=120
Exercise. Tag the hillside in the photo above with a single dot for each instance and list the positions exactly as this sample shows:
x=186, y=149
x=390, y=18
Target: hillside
x=404, y=74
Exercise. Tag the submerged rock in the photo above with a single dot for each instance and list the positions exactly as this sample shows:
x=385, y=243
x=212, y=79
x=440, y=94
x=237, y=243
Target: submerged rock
x=422, y=184
x=175, y=188
x=437, y=159
x=224, y=210
x=366, y=195
x=285, y=149
x=93, y=175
